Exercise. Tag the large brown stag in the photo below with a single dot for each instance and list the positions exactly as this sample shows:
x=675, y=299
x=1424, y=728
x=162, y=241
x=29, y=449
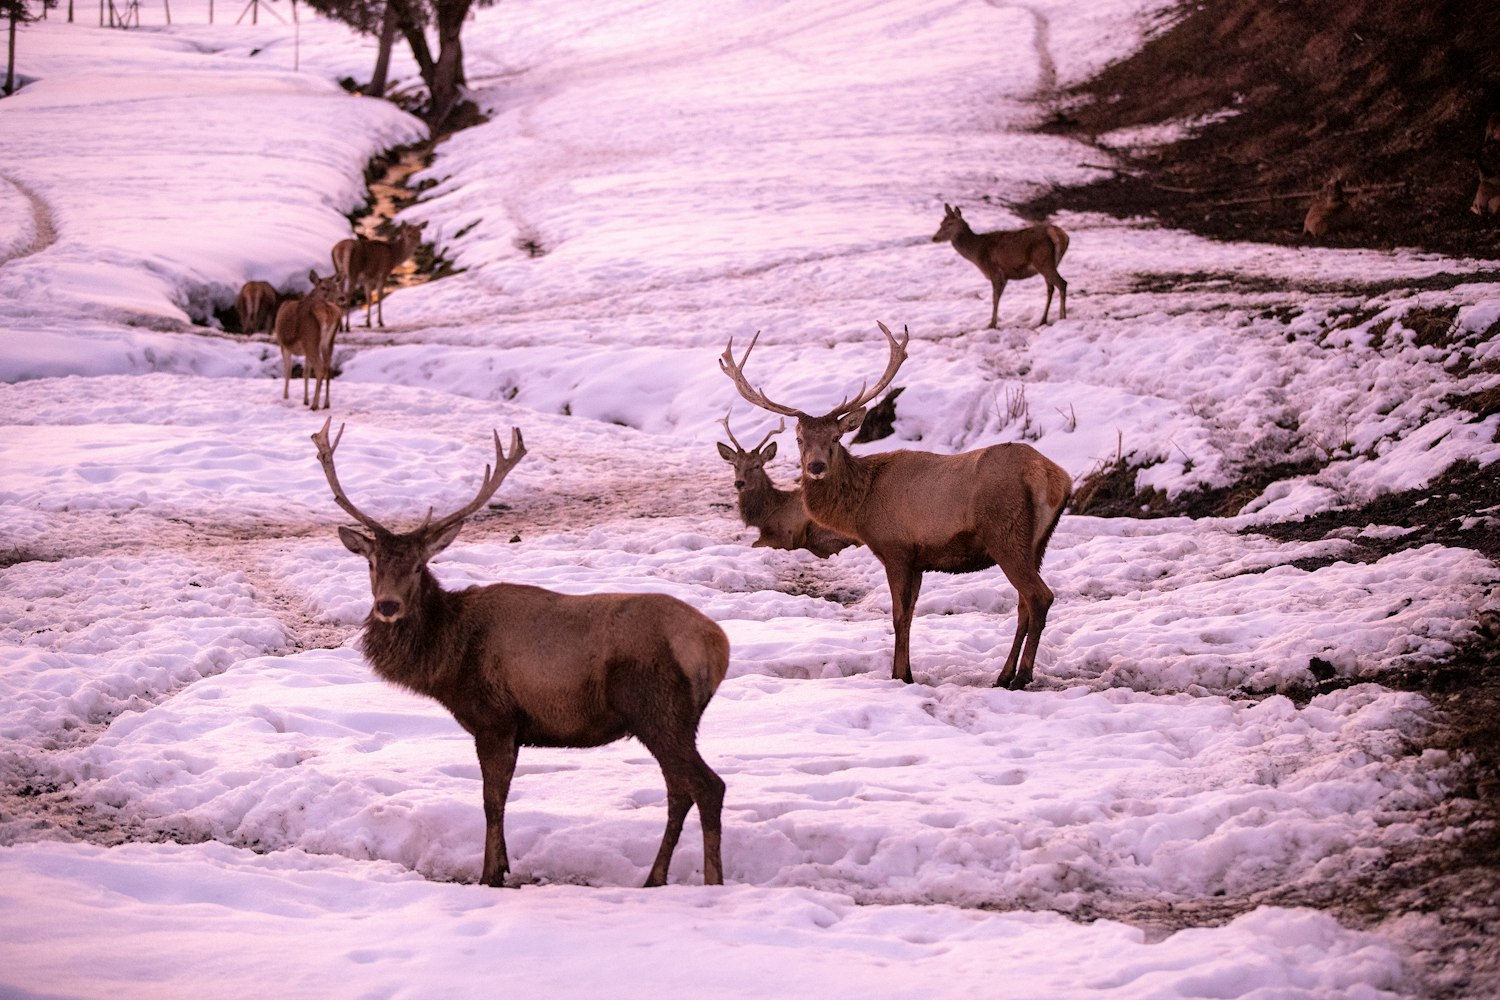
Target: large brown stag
x=919, y=511
x=522, y=666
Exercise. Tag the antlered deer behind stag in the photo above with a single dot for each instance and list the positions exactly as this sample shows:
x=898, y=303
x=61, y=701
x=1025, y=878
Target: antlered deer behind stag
x=367, y=264
x=778, y=514
x=306, y=327
x=522, y=666
x=1015, y=253
x=919, y=511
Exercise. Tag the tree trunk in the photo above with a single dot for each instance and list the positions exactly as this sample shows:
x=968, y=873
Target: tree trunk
x=10, y=58
x=388, y=24
x=448, y=75
x=410, y=26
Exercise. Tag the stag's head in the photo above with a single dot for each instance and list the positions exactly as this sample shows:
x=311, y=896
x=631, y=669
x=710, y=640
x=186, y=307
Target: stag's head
x=953, y=224
x=749, y=466
x=818, y=438
x=398, y=562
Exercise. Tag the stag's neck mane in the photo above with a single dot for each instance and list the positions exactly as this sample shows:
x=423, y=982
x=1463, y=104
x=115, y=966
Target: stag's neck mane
x=418, y=650
x=761, y=498
x=836, y=500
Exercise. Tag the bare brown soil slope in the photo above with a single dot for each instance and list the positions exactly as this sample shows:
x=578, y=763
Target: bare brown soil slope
x=1390, y=95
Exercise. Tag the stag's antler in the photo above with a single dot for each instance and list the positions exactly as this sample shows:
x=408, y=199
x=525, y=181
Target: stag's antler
x=736, y=371
x=325, y=458
x=487, y=487
x=751, y=394
x=491, y=481
x=898, y=357
x=741, y=448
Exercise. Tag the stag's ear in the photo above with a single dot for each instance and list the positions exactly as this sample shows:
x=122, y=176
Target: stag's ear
x=359, y=544
x=851, y=421
x=726, y=452
x=442, y=540
x=768, y=452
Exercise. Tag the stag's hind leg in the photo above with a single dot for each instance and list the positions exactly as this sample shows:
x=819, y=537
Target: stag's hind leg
x=657, y=706
x=1048, y=271
x=1033, y=601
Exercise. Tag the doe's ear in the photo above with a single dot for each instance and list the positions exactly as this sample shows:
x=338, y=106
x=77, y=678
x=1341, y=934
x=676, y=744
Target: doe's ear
x=851, y=421
x=354, y=541
x=440, y=542
x=725, y=452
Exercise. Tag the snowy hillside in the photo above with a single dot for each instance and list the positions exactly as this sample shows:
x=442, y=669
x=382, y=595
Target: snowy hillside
x=208, y=793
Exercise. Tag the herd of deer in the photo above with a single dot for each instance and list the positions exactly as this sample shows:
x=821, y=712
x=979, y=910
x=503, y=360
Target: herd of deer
x=305, y=325
x=522, y=666
x=1332, y=210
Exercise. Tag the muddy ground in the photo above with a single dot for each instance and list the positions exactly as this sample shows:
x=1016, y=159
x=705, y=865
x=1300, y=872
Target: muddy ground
x=1392, y=97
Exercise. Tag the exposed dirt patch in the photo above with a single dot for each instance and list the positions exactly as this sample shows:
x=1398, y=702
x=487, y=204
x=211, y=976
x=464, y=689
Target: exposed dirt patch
x=1391, y=97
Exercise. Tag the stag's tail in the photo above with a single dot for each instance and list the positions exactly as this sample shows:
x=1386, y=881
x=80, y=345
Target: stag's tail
x=1059, y=243
x=1048, y=499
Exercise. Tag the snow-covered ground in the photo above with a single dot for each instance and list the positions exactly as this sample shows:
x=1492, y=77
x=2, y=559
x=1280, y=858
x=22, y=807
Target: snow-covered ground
x=207, y=792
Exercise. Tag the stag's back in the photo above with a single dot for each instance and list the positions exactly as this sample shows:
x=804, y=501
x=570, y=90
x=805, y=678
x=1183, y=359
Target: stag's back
x=553, y=666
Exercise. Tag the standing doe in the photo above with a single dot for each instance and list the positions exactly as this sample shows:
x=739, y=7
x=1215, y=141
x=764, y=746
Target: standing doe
x=918, y=511
x=255, y=305
x=778, y=514
x=1014, y=253
x=522, y=666
x=306, y=327
x=367, y=264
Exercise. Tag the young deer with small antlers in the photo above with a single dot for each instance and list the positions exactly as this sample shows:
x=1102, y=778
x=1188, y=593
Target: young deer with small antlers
x=255, y=306
x=306, y=327
x=1015, y=253
x=778, y=514
x=522, y=666
x=365, y=263
x=919, y=511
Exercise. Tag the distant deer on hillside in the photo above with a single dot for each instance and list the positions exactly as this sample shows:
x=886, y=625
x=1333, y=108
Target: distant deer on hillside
x=920, y=511
x=521, y=666
x=306, y=326
x=1487, y=198
x=255, y=305
x=778, y=514
x=1017, y=253
x=1330, y=212
x=367, y=264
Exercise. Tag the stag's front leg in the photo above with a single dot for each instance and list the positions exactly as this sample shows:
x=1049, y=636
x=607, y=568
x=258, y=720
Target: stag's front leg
x=905, y=581
x=497, y=766
x=997, y=286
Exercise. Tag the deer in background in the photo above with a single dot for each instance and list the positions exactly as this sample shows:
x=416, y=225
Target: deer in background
x=367, y=264
x=255, y=305
x=1015, y=253
x=778, y=514
x=306, y=326
x=919, y=511
x=521, y=666
x=1330, y=212
x=1487, y=198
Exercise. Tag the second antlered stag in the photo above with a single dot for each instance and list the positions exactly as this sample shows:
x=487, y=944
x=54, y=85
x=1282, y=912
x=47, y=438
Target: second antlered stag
x=920, y=511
